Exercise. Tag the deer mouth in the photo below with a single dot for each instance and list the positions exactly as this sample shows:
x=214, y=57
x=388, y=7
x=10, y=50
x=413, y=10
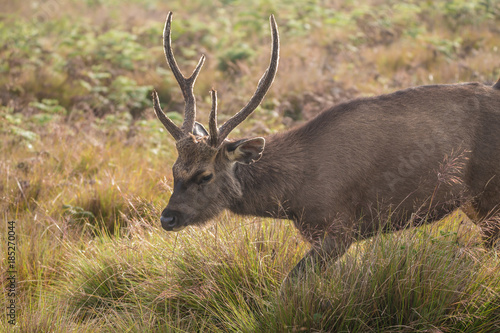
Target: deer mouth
x=179, y=228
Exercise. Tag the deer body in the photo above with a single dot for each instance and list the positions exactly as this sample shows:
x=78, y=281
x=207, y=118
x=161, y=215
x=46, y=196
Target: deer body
x=339, y=173
x=384, y=162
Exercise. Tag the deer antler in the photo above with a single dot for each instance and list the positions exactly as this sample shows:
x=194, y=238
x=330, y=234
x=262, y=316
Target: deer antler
x=217, y=136
x=262, y=88
x=172, y=128
x=212, y=119
x=186, y=85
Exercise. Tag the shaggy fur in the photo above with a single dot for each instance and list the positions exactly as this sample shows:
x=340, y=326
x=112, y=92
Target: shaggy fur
x=386, y=162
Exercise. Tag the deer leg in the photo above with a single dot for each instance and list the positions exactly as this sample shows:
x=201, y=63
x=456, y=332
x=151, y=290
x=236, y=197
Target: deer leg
x=326, y=249
x=491, y=232
x=487, y=217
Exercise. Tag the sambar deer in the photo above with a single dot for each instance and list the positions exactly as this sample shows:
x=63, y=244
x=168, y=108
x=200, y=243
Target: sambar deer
x=372, y=164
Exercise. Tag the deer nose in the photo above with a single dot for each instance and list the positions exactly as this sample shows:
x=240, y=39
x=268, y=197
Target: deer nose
x=170, y=221
x=167, y=222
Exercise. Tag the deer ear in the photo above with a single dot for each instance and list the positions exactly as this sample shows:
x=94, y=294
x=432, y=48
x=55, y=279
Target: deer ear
x=199, y=130
x=245, y=151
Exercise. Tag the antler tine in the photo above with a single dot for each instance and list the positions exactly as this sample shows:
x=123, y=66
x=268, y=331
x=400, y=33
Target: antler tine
x=175, y=131
x=212, y=120
x=262, y=88
x=186, y=84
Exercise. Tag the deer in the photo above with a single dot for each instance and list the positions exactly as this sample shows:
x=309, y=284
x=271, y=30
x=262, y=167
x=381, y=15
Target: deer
x=372, y=164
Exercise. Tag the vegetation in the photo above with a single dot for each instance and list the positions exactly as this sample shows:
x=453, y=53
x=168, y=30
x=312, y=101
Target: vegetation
x=85, y=167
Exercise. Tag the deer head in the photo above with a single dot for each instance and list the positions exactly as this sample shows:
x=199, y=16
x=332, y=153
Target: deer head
x=204, y=179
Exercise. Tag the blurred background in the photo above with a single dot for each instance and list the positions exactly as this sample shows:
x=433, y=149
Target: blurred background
x=101, y=58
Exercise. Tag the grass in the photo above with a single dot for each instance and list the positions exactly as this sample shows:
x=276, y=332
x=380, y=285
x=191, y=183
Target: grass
x=85, y=168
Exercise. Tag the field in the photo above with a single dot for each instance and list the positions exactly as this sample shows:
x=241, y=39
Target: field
x=85, y=167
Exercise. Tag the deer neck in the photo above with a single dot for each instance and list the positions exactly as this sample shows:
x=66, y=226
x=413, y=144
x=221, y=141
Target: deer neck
x=268, y=185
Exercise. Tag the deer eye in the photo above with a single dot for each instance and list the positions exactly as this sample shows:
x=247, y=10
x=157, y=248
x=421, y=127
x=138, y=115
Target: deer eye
x=205, y=179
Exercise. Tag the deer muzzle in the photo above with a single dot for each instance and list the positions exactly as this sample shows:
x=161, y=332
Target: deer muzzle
x=170, y=221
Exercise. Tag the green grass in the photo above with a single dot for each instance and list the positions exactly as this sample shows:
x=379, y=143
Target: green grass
x=85, y=167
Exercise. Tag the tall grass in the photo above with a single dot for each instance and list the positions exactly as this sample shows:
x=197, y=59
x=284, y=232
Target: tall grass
x=227, y=277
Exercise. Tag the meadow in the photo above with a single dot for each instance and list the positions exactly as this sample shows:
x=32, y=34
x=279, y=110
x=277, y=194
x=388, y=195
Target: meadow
x=85, y=167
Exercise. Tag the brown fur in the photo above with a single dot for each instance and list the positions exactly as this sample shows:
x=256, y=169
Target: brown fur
x=409, y=157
